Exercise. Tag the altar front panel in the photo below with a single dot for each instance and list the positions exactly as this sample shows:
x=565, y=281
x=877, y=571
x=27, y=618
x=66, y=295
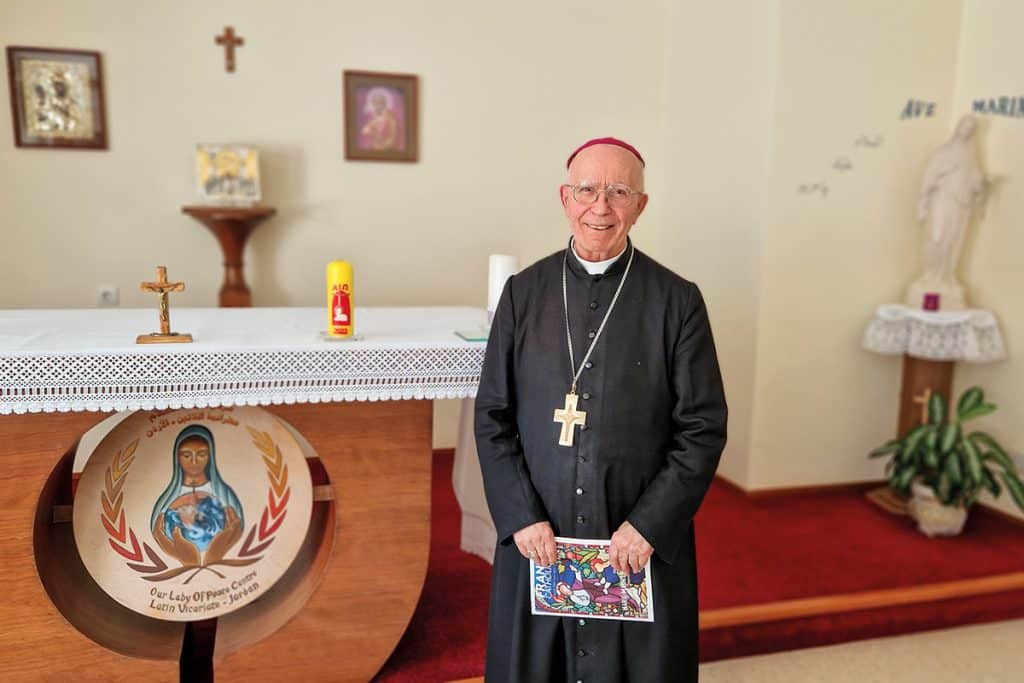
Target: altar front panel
x=378, y=459
x=37, y=641
x=337, y=618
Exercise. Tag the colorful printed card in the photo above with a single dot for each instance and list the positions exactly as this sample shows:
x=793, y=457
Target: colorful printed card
x=582, y=583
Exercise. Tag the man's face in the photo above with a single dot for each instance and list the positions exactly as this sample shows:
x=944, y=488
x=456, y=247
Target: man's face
x=600, y=229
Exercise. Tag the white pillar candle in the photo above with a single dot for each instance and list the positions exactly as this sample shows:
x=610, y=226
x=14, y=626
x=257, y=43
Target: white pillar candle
x=502, y=266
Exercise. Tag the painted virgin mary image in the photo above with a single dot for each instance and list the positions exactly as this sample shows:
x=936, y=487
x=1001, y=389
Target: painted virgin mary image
x=382, y=127
x=198, y=512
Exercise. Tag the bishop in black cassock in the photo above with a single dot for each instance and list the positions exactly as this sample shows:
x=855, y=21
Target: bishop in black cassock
x=642, y=462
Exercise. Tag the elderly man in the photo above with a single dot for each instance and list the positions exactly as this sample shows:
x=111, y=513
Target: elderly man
x=602, y=329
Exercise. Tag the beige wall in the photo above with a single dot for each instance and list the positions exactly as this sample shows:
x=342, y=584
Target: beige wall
x=735, y=104
x=720, y=71
x=506, y=93
x=504, y=98
x=845, y=69
x=992, y=268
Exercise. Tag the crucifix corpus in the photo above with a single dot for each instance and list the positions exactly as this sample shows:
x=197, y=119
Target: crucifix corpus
x=163, y=287
x=569, y=417
x=230, y=41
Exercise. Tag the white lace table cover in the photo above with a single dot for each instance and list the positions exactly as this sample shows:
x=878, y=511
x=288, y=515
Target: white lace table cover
x=77, y=360
x=969, y=335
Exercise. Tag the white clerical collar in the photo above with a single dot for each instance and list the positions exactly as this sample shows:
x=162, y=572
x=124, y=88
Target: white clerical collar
x=597, y=267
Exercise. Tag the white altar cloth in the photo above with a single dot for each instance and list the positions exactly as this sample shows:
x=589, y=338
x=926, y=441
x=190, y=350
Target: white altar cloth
x=87, y=359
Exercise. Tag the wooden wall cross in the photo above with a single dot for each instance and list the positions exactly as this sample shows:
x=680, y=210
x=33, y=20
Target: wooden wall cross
x=923, y=398
x=230, y=41
x=921, y=379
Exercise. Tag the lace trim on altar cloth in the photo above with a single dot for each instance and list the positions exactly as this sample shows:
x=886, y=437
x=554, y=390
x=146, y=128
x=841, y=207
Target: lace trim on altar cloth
x=970, y=335
x=148, y=381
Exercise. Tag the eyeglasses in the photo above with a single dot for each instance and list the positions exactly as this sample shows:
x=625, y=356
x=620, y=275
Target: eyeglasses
x=616, y=194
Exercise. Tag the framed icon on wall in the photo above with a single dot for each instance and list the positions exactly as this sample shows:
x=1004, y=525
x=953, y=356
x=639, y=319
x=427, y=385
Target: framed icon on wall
x=57, y=98
x=381, y=116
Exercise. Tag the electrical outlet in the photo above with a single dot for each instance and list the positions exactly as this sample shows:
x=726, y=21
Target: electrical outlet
x=107, y=296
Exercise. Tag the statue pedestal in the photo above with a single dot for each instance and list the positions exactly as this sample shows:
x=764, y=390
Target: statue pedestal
x=232, y=226
x=921, y=379
x=931, y=342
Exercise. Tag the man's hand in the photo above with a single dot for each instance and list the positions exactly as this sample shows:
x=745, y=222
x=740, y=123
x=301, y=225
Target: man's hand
x=536, y=542
x=629, y=551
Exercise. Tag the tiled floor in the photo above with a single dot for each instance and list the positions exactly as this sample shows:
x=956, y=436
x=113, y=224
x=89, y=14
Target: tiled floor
x=989, y=653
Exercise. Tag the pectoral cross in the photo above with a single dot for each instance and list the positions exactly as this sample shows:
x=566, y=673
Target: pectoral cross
x=230, y=41
x=569, y=417
x=163, y=287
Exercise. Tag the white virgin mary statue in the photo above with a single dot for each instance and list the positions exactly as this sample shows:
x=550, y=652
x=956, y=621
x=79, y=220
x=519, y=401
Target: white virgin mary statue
x=953, y=187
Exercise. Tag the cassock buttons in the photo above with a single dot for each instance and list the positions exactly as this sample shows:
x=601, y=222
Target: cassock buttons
x=588, y=365
x=581, y=652
x=584, y=428
x=580, y=519
x=593, y=305
x=586, y=396
x=579, y=491
x=591, y=334
x=582, y=622
x=581, y=458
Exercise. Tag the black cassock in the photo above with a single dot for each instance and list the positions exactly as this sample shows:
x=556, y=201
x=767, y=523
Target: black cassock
x=655, y=429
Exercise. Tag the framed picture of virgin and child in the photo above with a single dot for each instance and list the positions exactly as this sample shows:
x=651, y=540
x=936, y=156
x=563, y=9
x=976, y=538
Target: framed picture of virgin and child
x=381, y=116
x=56, y=98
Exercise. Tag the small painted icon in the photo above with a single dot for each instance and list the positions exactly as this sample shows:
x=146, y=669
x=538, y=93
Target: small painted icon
x=198, y=512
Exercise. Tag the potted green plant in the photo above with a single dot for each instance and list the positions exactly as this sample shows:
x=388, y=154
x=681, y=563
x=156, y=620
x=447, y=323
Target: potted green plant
x=945, y=469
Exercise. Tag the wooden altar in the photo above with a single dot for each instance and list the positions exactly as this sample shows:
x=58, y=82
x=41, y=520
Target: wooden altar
x=340, y=609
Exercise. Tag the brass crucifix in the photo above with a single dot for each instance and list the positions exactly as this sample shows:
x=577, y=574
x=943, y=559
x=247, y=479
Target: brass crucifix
x=162, y=287
x=569, y=417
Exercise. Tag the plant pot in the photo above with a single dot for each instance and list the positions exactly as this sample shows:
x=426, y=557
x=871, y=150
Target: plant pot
x=934, y=518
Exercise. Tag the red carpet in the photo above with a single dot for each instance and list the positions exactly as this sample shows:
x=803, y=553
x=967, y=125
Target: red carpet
x=761, y=551
x=750, y=552
x=834, y=542
x=444, y=644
